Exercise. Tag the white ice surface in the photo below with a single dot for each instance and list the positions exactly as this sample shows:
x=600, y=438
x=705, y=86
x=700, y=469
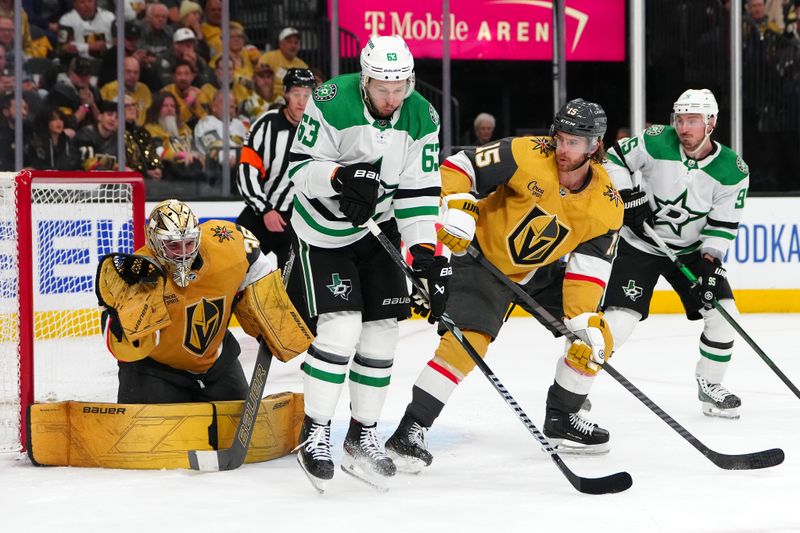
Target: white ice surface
x=488, y=473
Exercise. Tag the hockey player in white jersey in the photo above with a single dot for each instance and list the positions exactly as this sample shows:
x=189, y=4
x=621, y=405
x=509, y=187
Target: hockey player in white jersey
x=692, y=193
x=366, y=148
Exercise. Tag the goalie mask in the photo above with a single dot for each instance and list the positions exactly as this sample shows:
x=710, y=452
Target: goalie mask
x=386, y=59
x=173, y=235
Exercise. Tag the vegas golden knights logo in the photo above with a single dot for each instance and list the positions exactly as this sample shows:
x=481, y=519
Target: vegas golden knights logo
x=203, y=321
x=536, y=238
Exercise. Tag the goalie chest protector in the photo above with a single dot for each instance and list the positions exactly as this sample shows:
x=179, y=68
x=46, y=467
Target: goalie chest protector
x=201, y=311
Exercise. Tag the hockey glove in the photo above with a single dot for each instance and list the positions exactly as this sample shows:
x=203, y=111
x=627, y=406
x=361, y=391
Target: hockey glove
x=637, y=210
x=458, y=222
x=712, y=277
x=434, y=272
x=358, y=185
x=595, y=343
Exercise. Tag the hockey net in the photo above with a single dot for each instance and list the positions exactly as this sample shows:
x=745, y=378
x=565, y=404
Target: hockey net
x=54, y=226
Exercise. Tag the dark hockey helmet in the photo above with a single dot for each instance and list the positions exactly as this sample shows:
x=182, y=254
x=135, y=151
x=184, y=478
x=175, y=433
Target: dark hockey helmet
x=299, y=77
x=582, y=118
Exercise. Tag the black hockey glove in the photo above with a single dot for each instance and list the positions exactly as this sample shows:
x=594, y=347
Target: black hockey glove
x=434, y=272
x=637, y=210
x=358, y=185
x=712, y=277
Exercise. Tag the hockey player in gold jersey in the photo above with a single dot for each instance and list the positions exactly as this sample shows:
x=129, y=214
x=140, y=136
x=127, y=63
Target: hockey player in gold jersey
x=548, y=197
x=166, y=320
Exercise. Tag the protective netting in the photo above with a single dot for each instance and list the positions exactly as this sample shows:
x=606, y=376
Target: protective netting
x=72, y=225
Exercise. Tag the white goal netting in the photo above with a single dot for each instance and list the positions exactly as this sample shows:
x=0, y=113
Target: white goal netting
x=71, y=225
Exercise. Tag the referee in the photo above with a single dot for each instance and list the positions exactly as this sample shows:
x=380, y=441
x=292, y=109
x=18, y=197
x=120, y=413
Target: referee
x=262, y=180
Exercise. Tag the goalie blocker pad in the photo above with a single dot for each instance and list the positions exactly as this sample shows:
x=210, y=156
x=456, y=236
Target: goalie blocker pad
x=265, y=311
x=156, y=436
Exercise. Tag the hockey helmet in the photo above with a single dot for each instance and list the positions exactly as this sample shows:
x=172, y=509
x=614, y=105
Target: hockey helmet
x=699, y=101
x=299, y=77
x=173, y=235
x=387, y=59
x=581, y=118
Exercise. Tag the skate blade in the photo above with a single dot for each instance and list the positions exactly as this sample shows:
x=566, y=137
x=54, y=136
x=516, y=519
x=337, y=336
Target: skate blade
x=378, y=482
x=405, y=464
x=572, y=448
x=711, y=410
x=319, y=484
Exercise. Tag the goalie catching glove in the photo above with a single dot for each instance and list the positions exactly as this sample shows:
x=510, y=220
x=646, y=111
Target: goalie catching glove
x=434, y=272
x=458, y=222
x=130, y=288
x=594, y=344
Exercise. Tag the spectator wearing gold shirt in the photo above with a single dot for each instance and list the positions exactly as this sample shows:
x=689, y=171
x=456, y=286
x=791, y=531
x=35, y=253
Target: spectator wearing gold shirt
x=285, y=57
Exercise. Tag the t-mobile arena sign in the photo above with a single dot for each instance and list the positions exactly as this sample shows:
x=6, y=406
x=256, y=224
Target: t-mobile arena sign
x=493, y=29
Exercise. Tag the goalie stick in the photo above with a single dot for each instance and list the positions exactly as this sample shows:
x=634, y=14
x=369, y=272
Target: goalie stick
x=734, y=324
x=746, y=461
x=603, y=485
x=233, y=457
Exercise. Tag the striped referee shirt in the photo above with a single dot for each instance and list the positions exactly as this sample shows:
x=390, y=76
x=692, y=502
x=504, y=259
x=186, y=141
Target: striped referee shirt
x=262, y=166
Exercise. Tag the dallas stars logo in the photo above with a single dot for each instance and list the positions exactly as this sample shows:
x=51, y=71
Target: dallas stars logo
x=326, y=92
x=542, y=145
x=612, y=194
x=632, y=291
x=675, y=213
x=222, y=233
x=340, y=287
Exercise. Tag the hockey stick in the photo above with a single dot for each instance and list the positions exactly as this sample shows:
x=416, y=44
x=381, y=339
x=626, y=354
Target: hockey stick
x=732, y=321
x=233, y=457
x=614, y=483
x=747, y=461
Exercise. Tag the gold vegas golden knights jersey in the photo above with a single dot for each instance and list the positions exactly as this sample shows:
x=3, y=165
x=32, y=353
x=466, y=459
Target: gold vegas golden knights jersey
x=528, y=220
x=200, y=312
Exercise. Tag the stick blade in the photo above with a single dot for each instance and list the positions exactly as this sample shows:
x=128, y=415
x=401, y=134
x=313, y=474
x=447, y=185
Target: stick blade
x=747, y=461
x=619, y=482
x=213, y=461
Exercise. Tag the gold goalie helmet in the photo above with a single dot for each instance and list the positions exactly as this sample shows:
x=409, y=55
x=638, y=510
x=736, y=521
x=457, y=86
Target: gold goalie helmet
x=173, y=235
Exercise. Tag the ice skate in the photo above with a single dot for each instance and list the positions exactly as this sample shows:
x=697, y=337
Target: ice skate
x=717, y=400
x=571, y=433
x=314, y=454
x=364, y=457
x=407, y=447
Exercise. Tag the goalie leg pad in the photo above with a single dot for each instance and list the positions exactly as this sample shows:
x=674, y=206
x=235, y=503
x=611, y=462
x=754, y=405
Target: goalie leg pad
x=265, y=311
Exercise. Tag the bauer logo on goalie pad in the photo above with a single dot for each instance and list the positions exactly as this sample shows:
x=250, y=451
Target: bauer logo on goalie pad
x=203, y=322
x=536, y=238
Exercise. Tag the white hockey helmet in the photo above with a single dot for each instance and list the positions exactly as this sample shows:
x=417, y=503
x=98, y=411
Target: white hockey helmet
x=699, y=101
x=173, y=235
x=387, y=58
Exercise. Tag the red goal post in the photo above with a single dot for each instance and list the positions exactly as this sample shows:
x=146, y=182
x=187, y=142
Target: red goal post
x=54, y=226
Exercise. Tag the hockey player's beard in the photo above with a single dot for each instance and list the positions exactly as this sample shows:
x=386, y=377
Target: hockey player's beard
x=170, y=124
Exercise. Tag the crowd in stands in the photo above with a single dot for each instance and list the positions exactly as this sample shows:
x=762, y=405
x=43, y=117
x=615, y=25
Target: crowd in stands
x=173, y=69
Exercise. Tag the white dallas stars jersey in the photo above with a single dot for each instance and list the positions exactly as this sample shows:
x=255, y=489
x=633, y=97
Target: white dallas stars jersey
x=337, y=130
x=698, y=204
